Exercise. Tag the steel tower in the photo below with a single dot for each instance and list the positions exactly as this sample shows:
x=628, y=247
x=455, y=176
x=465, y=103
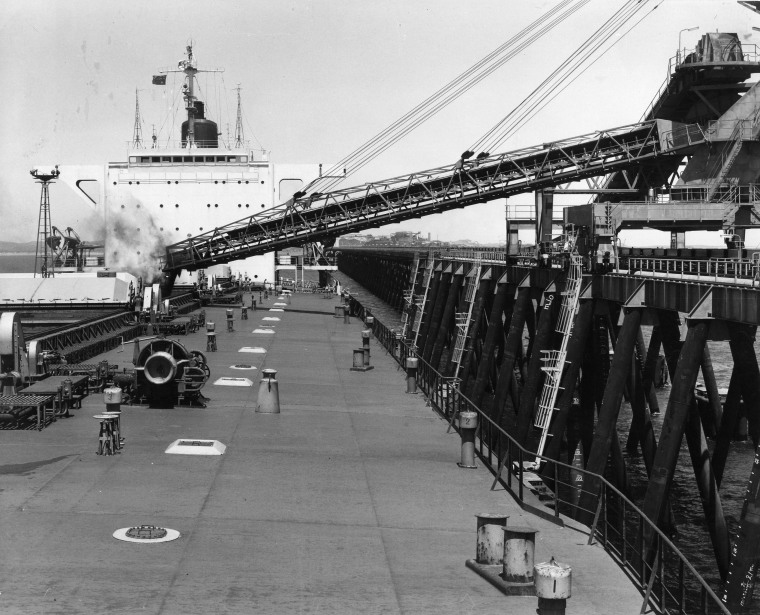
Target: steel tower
x=44, y=259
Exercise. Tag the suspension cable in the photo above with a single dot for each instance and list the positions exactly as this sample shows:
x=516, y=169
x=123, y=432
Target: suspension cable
x=537, y=99
x=445, y=95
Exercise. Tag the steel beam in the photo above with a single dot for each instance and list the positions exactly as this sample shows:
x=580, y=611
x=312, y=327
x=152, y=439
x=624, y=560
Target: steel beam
x=674, y=422
x=447, y=321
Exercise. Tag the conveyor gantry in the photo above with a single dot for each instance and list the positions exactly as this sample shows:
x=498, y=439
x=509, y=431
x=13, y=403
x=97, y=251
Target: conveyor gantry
x=317, y=217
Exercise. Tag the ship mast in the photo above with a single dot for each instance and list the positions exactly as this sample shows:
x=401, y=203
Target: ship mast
x=137, y=132
x=239, y=137
x=190, y=69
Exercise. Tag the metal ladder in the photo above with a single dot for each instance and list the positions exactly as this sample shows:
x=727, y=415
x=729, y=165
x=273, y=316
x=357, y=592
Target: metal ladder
x=463, y=318
x=409, y=295
x=554, y=360
x=420, y=299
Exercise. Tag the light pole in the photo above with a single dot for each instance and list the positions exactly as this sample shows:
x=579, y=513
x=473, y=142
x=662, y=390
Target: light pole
x=678, y=58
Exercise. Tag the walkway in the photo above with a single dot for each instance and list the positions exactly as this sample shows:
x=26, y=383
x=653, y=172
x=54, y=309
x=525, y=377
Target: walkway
x=349, y=501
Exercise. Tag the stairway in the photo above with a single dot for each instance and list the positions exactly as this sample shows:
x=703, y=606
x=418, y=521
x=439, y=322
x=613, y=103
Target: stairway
x=554, y=360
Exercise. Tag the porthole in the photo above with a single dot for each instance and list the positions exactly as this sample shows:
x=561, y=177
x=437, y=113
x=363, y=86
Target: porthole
x=114, y=183
x=169, y=182
x=138, y=206
x=176, y=204
x=262, y=205
x=161, y=228
x=247, y=205
x=224, y=181
x=122, y=206
x=130, y=183
x=161, y=205
x=176, y=228
x=216, y=181
x=246, y=181
x=262, y=181
x=216, y=204
x=240, y=182
x=138, y=183
x=176, y=181
x=240, y=204
x=208, y=204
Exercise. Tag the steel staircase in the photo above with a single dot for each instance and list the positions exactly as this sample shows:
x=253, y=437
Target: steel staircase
x=409, y=296
x=554, y=360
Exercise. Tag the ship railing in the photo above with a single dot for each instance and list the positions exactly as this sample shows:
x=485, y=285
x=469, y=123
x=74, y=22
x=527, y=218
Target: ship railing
x=666, y=579
x=726, y=270
x=746, y=53
x=198, y=147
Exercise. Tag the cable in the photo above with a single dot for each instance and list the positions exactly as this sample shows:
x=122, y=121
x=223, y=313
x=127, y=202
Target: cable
x=538, y=98
x=455, y=88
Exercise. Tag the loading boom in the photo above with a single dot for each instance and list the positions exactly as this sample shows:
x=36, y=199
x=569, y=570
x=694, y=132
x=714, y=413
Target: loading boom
x=317, y=216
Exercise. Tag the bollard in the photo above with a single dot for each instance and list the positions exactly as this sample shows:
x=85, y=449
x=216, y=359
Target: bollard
x=359, y=364
x=411, y=375
x=112, y=397
x=519, y=551
x=269, y=393
x=370, y=322
x=553, y=583
x=339, y=310
x=287, y=297
x=398, y=337
x=365, y=344
x=104, y=372
x=490, y=543
x=346, y=316
x=468, y=423
x=230, y=320
x=253, y=304
x=244, y=313
x=210, y=337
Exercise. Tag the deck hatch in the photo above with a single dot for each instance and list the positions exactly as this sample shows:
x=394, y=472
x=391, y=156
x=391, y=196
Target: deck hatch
x=195, y=446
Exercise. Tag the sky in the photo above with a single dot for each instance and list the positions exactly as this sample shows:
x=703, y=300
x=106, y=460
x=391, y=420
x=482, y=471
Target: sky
x=318, y=78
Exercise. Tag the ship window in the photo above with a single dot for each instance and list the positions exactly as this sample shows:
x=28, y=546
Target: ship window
x=210, y=158
x=176, y=158
x=155, y=159
x=187, y=159
x=232, y=159
x=133, y=159
x=221, y=159
x=145, y=159
x=243, y=158
x=166, y=158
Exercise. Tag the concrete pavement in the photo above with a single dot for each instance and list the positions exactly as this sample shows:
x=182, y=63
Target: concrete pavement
x=349, y=501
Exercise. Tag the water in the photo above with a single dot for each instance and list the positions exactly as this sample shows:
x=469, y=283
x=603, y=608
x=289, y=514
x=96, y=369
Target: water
x=692, y=537
x=16, y=262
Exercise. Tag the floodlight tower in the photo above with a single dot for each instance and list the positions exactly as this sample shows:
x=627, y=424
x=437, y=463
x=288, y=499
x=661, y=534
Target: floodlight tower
x=44, y=259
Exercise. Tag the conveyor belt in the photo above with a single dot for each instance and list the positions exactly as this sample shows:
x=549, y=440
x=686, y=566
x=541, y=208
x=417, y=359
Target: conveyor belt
x=317, y=217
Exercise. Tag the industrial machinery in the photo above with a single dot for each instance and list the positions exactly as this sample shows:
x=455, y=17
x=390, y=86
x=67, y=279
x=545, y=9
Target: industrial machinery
x=168, y=374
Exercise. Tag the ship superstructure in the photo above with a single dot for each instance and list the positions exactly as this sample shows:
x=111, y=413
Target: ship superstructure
x=178, y=189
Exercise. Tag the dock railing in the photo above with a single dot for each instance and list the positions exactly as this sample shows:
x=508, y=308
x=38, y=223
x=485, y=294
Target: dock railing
x=667, y=580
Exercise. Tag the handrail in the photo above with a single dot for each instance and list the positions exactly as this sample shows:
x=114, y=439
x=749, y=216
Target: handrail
x=665, y=577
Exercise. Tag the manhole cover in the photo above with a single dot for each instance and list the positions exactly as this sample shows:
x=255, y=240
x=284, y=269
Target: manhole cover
x=271, y=318
x=146, y=534
x=242, y=366
x=253, y=349
x=265, y=331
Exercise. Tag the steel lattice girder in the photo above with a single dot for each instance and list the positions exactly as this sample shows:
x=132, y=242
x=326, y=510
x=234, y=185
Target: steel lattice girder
x=319, y=216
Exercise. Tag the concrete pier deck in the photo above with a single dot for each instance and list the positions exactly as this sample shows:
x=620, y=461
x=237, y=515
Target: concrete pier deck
x=348, y=501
